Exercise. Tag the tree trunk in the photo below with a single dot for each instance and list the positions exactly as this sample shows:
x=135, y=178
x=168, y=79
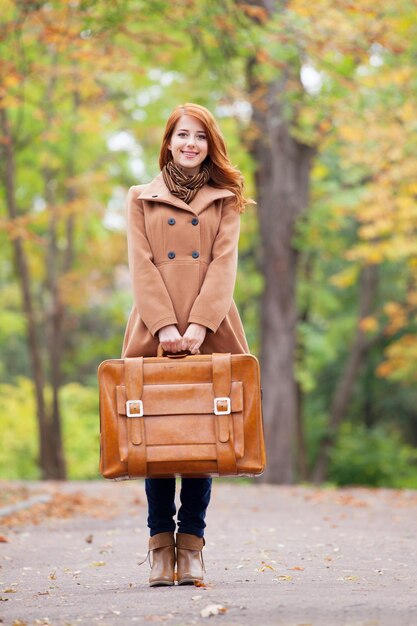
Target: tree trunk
x=306, y=272
x=282, y=179
x=302, y=464
x=368, y=285
x=55, y=311
x=54, y=317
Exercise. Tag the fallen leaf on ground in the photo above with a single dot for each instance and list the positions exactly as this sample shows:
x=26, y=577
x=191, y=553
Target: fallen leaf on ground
x=212, y=609
x=283, y=577
x=264, y=567
x=89, y=539
x=98, y=563
x=9, y=590
x=336, y=496
x=52, y=576
x=3, y=539
x=61, y=505
x=201, y=583
x=67, y=570
x=298, y=568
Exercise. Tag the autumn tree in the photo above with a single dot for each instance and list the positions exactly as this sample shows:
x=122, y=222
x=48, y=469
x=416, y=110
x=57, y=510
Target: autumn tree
x=355, y=111
x=49, y=100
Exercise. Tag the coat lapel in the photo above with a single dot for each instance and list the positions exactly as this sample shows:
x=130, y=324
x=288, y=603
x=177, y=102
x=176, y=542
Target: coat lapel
x=157, y=191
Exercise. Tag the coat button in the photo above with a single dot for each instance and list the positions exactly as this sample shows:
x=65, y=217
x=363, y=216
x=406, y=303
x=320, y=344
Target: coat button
x=155, y=196
x=171, y=221
x=195, y=254
x=194, y=221
x=171, y=255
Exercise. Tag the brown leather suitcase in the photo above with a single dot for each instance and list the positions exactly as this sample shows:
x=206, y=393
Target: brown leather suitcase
x=176, y=415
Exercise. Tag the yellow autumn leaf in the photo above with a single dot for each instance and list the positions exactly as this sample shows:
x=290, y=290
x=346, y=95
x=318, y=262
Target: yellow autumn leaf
x=351, y=133
x=320, y=171
x=345, y=278
x=264, y=567
x=392, y=308
x=384, y=369
x=11, y=80
x=368, y=324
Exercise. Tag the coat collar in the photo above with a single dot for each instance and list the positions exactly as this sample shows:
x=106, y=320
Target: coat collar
x=157, y=191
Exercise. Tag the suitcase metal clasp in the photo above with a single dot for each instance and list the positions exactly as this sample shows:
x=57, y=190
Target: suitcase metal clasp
x=136, y=413
x=218, y=411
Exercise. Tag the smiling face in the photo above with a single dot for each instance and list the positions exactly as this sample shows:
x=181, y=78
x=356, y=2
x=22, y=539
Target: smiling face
x=188, y=144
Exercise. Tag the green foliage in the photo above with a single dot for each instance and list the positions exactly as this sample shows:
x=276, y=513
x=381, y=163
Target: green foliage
x=18, y=431
x=376, y=456
x=19, y=435
x=81, y=430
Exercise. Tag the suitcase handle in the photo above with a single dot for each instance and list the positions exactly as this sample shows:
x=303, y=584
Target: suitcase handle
x=172, y=355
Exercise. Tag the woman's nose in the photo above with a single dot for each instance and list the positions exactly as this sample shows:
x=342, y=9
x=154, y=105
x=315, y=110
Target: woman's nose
x=190, y=141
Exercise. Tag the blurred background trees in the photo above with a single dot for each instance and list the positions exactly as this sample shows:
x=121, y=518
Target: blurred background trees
x=317, y=103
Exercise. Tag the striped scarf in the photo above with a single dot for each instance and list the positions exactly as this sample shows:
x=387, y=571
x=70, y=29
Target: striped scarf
x=182, y=186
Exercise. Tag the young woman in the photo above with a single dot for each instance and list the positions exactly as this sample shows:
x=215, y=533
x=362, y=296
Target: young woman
x=183, y=231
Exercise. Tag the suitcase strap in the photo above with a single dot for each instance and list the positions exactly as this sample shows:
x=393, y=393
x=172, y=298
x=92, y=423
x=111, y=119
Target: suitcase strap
x=136, y=439
x=222, y=385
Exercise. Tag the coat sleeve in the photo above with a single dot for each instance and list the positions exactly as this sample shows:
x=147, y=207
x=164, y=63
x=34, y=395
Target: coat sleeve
x=150, y=294
x=216, y=294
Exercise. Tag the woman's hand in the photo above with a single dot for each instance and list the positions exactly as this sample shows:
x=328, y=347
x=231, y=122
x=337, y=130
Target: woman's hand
x=194, y=337
x=170, y=339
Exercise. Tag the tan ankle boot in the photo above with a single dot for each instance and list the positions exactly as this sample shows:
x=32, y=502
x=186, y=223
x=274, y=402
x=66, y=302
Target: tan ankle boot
x=190, y=564
x=162, y=547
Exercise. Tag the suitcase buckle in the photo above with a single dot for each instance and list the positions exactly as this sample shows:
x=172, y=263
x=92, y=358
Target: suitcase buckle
x=136, y=413
x=225, y=411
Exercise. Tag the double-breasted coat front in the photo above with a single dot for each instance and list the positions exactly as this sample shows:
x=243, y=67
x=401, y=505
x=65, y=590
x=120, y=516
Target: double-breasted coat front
x=183, y=263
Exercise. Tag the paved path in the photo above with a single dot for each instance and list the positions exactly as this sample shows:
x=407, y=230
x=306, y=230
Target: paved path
x=274, y=556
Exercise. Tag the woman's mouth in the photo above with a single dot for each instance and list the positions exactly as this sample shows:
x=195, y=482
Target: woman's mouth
x=189, y=155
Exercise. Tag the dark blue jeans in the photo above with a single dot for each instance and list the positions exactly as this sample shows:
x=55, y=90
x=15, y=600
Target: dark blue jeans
x=194, y=496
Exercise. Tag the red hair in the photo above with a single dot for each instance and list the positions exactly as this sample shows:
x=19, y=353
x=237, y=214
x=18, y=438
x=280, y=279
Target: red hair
x=223, y=174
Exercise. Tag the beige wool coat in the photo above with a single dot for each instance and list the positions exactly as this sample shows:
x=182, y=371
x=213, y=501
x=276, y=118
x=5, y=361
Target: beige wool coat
x=182, y=262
